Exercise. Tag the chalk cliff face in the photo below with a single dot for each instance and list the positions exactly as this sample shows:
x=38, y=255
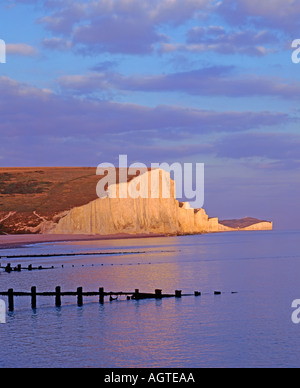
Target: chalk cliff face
x=148, y=213
x=245, y=224
x=260, y=226
x=64, y=200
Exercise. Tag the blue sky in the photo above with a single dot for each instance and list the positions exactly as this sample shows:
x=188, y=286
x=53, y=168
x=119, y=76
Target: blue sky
x=162, y=81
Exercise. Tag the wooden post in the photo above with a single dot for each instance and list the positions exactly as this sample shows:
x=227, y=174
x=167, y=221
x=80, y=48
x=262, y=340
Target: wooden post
x=178, y=293
x=8, y=268
x=30, y=267
x=136, y=294
x=19, y=268
x=58, y=296
x=10, y=299
x=101, y=295
x=33, y=298
x=158, y=294
x=79, y=296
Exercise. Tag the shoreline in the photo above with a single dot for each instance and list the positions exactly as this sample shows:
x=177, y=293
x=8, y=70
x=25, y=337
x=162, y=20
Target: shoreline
x=17, y=241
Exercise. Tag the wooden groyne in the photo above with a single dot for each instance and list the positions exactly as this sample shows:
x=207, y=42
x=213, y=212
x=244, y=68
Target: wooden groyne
x=18, y=268
x=80, y=294
x=46, y=255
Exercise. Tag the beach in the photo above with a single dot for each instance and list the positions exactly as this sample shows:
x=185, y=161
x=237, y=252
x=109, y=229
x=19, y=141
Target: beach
x=14, y=241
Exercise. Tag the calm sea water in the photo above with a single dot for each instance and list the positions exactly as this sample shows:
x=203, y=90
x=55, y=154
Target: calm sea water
x=252, y=328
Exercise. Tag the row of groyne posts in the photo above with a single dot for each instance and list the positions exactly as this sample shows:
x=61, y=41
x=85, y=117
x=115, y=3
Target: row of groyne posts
x=58, y=294
x=18, y=268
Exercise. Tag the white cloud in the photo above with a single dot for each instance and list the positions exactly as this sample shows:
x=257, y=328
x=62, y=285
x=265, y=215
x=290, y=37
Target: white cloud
x=21, y=49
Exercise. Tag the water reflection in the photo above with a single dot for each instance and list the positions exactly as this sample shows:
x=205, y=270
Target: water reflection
x=244, y=329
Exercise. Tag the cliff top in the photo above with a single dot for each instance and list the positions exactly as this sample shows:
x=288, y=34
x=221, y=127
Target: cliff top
x=48, y=189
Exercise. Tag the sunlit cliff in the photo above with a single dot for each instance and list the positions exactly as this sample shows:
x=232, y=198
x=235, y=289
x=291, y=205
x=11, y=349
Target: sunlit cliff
x=64, y=201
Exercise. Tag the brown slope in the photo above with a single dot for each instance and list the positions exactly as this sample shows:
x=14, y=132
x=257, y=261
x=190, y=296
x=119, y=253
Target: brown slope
x=26, y=194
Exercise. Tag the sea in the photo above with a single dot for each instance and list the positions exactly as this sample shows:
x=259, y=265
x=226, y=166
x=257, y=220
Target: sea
x=246, y=324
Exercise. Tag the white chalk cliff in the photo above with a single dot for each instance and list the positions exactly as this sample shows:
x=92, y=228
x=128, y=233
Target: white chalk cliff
x=148, y=214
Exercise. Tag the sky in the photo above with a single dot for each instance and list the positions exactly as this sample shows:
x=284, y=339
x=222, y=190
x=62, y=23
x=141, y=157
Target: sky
x=189, y=81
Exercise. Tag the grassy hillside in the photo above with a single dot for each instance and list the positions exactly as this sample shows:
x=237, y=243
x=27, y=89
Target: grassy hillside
x=28, y=195
x=46, y=191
